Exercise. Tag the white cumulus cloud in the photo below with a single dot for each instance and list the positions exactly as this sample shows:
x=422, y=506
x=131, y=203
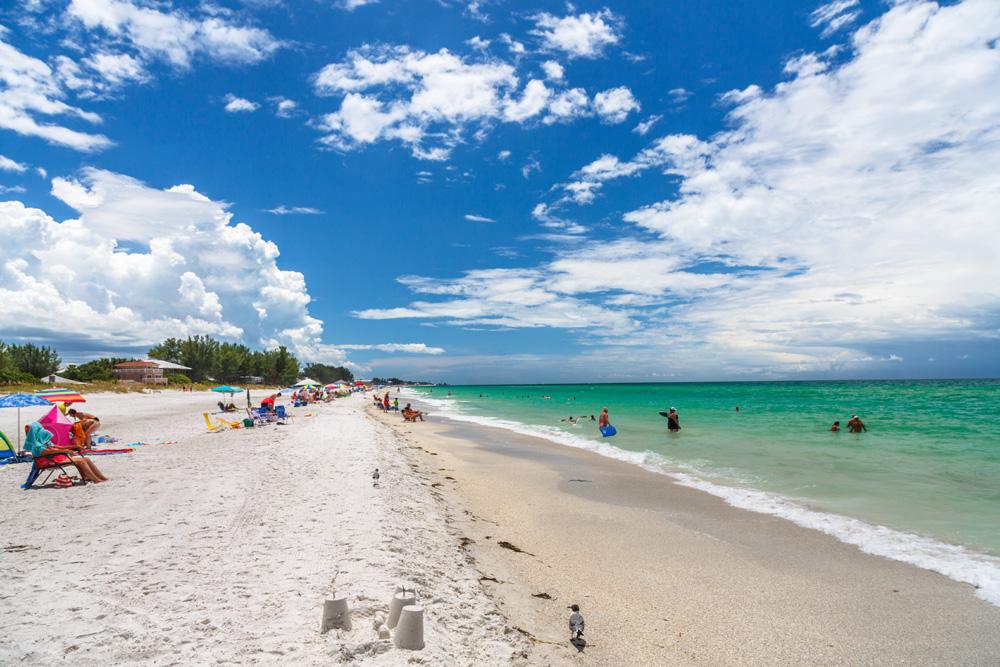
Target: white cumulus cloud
x=841, y=213
x=236, y=104
x=582, y=36
x=616, y=104
x=139, y=264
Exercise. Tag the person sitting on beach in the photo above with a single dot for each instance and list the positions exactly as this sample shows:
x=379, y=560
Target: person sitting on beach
x=85, y=426
x=37, y=441
x=836, y=427
x=411, y=415
x=855, y=425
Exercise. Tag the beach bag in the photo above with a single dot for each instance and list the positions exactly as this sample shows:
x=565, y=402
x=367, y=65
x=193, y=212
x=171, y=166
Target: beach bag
x=63, y=482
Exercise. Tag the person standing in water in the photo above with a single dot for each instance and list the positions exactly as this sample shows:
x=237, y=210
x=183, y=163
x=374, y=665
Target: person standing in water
x=855, y=425
x=604, y=420
x=673, y=420
x=836, y=427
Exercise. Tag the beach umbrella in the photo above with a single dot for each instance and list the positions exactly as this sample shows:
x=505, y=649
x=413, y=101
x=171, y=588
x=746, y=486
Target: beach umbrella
x=21, y=401
x=61, y=396
x=226, y=389
x=306, y=382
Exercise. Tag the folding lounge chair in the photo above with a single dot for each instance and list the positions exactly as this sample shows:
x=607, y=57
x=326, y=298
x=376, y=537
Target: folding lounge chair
x=282, y=414
x=260, y=416
x=48, y=465
x=212, y=428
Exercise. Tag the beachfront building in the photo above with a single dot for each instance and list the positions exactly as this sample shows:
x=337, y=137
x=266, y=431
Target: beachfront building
x=144, y=372
x=169, y=366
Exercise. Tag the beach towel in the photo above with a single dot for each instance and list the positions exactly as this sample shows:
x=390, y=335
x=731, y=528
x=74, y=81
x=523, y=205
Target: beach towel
x=37, y=440
x=101, y=452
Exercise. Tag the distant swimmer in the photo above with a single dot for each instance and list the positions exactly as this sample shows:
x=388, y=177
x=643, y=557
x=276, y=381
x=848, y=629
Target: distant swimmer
x=836, y=427
x=737, y=408
x=855, y=425
x=673, y=420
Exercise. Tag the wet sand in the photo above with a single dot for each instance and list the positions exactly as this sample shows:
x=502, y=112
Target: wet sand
x=667, y=574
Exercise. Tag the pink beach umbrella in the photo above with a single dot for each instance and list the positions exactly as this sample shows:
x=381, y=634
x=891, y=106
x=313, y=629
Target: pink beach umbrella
x=59, y=425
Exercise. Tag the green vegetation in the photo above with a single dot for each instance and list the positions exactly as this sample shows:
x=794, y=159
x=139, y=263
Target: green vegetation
x=230, y=363
x=24, y=364
x=98, y=370
x=325, y=374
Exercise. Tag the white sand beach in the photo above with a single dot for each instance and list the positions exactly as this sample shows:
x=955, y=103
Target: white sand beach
x=220, y=548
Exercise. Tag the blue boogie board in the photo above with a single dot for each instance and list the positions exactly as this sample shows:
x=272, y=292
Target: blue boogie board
x=608, y=431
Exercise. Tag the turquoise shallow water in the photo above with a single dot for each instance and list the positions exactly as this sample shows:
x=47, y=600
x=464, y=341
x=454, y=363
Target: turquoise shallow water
x=929, y=464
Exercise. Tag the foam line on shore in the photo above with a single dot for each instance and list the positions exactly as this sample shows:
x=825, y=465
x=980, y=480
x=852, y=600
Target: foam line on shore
x=958, y=563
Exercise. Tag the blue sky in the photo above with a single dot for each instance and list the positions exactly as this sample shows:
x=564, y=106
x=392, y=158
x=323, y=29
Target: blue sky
x=509, y=191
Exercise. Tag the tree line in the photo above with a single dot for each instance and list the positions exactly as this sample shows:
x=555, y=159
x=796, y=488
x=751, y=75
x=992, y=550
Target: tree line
x=26, y=363
x=206, y=357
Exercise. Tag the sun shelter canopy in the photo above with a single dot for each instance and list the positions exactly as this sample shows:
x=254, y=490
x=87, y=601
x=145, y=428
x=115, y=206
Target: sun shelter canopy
x=306, y=382
x=59, y=425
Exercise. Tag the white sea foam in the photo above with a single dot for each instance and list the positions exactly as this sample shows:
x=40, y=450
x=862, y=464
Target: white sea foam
x=979, y=570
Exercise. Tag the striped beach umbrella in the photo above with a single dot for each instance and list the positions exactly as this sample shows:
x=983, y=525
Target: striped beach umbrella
x=61, y=396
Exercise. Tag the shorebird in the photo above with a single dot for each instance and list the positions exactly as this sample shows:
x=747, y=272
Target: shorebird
x=576, y=622
x=375, y=477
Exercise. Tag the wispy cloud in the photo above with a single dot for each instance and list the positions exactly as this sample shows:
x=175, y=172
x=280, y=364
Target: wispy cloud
x=293, y=210
x=409, y=348
x=835, y=15
x=7, y=164
x=471, y=217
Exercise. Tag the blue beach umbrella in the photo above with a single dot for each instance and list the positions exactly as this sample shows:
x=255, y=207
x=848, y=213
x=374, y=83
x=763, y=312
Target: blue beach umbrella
x=226, y=389
x=22, y=401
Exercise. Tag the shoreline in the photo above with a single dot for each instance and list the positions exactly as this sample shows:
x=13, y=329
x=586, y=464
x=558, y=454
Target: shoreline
x=964, y=564
x=671, y=574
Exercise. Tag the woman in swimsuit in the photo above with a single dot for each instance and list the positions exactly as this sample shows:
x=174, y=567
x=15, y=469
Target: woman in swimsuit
x=85, y=426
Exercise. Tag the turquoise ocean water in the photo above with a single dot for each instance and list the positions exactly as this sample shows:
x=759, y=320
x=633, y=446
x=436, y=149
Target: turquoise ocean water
x=922, y=485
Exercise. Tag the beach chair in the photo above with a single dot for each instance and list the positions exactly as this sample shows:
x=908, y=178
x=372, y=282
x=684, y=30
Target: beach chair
x=260, y=416
x=212, y=428
x=47, y=465
x=282, y=414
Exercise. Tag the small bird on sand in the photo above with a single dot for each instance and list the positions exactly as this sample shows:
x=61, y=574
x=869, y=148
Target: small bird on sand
x=575, y=622
x=375, y=477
